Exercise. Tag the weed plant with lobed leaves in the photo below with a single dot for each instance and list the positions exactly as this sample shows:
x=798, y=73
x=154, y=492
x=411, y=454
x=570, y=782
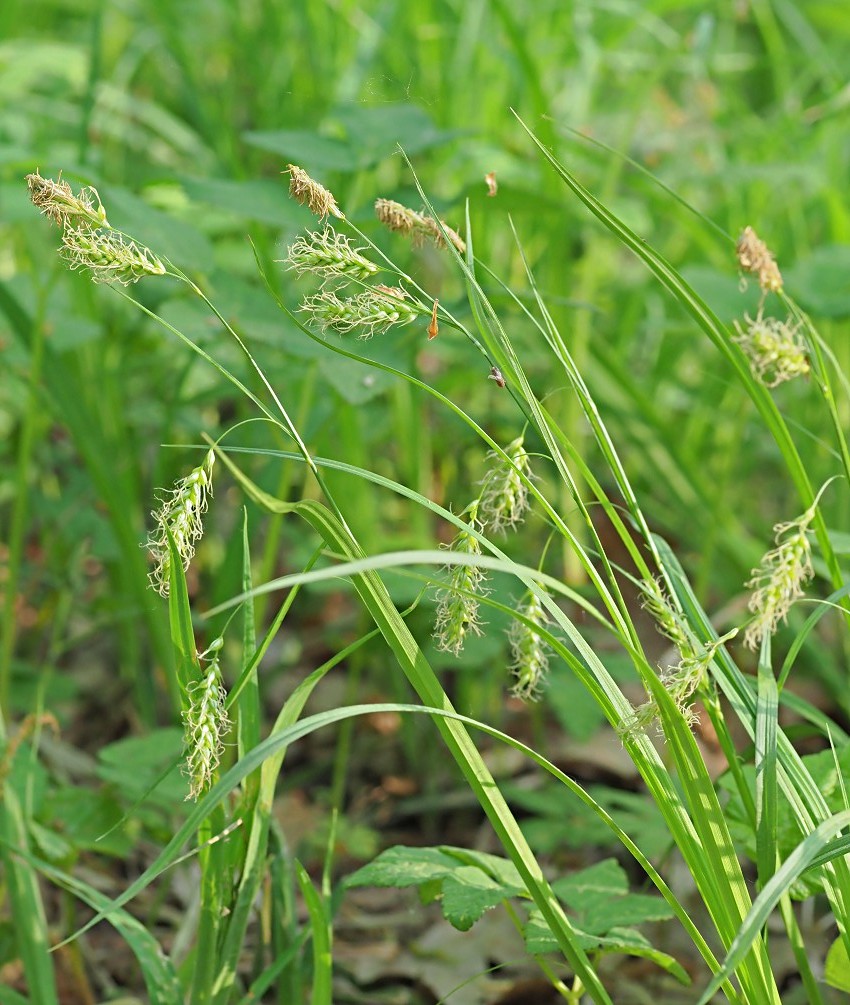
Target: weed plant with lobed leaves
x=571, y=923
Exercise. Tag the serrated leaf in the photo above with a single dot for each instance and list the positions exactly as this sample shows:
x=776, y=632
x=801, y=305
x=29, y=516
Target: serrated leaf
x=538, y=938
x=632, y=943
x=467, y=894
x=585, y=888
x=502, y=870
x=631, y=909
x=400, y=867
x=626, y=941
x=837, y=970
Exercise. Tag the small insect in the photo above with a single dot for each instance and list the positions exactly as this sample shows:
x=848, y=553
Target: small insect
x=433, y=328
x=492, y=186
x=496, y=374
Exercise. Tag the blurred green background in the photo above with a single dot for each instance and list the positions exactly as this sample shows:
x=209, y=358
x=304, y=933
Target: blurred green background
x=184, y=115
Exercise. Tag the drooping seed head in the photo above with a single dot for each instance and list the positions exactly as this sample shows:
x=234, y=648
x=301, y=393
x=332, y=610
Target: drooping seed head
x=205, y=724
x=754, y=257
x=108, y=255
x=181, y=514
x=780, y=577
x=504, y=499
x=529, y=653
x=396, y=217
x=329, y=255
x=57, y=201
x=311, y=194
x=775, y=349
x=370, y=311
x=457, y=604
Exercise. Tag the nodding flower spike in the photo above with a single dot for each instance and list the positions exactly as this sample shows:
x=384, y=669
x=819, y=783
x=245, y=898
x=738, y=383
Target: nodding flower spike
x=311, y=194
x=754, y=256
x=57, y=202
x=180, y=514
x=394, y=216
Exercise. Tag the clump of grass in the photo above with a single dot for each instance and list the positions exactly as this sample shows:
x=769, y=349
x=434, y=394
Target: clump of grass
x=681, y=784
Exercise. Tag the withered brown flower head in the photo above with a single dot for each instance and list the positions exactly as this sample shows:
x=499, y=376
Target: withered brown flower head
x=754, y=257
x=311, y=194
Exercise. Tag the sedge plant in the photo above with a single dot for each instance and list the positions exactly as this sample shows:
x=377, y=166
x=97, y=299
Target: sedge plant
x=363, y=293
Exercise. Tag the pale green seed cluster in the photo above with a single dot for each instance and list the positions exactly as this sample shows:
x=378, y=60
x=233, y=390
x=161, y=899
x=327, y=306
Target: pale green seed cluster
x=529, y=653
x=109, y=256
x=88, y=241
x=501, y=505
x=680, y=680
x=504, y=499
x=205, y=723
x=774, y=349
x=329, y=255
x=656, y=602
x=180, y=514
x=780, y=577
x=457, y=604
x=371, y=311
x=333, y=258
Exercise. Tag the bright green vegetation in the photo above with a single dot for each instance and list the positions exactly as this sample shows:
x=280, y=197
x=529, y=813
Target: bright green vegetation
x=572, y=426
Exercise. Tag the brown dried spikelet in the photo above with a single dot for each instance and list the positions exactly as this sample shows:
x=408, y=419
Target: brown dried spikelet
x=755, y=257
x=403, y=220
x=311, y=194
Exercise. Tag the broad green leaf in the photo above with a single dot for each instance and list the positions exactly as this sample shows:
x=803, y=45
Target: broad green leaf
x=499, y=868
x=819, y=282
x=604, y=879
x=306, y=148
x=134, y=764
x=837, y=969
x=401, y=866
x=538, y=940
x=468, y=893
x=255, y=199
